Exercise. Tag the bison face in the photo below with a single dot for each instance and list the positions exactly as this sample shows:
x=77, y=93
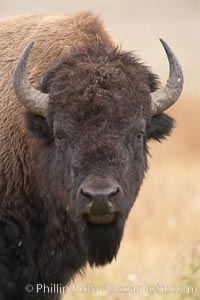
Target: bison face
x=91, y=152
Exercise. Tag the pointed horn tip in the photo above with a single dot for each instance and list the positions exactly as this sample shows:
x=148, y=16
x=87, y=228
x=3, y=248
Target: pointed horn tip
x=28, y=47
x=171, y=53
x=31, y=44
x=161, y=40
x=165, y=45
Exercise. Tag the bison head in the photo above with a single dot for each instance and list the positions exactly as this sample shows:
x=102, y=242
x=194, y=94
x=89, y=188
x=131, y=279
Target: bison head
x=92, y=116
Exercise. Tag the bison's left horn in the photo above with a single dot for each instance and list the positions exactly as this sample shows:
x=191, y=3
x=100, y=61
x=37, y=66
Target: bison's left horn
x=168, y=95
x=33, y=99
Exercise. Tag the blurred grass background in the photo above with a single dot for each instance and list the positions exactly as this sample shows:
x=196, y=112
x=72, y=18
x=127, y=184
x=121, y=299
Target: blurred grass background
x=161, y=243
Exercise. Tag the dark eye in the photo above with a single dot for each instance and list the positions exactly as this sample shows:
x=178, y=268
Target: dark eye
x=60, y=135
x=140, y=135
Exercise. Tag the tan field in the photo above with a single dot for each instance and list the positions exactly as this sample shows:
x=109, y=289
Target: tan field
x=159, y=257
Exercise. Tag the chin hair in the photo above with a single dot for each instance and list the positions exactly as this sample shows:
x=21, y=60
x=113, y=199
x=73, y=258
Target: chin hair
x=104, y=242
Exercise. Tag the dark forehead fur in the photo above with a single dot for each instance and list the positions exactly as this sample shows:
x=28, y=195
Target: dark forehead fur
x=96, y=77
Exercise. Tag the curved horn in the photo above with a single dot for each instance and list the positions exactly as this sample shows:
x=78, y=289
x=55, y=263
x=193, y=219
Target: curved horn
x=163, y=98
x=34, y=100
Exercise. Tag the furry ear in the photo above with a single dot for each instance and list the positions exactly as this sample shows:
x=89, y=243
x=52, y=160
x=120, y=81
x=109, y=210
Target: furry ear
x=160, y=127
x=38, y=126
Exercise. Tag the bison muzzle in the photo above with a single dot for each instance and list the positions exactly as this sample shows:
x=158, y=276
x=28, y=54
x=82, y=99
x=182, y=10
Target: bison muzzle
x=100, y=197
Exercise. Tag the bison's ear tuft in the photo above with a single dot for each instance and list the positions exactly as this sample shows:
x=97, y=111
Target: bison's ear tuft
x=38, y=126
x=160, y=127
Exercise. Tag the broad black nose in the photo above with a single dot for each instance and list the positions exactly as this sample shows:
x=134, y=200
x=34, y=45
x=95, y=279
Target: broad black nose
x=99, y=198
x=99, y=193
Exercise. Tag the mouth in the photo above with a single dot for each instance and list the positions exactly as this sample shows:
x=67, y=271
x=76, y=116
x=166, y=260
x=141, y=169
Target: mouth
x=100, y=218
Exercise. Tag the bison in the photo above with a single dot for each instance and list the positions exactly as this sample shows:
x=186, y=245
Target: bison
x=77, y=113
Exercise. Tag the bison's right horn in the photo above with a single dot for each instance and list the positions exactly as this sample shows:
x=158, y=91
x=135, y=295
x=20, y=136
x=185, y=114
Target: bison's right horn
x=33, y=99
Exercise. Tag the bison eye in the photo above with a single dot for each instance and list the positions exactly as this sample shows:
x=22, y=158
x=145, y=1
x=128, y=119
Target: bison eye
x=60, y=135
x=140, y=135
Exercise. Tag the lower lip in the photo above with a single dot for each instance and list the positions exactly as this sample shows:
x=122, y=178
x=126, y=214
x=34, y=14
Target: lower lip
x=101, y=219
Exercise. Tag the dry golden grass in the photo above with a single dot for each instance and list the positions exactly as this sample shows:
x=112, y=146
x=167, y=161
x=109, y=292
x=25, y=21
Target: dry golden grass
x=163, y=226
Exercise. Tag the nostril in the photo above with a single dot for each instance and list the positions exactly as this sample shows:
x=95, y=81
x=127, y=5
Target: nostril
x=99, y=194
x=113, y=193
x=86, y=194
